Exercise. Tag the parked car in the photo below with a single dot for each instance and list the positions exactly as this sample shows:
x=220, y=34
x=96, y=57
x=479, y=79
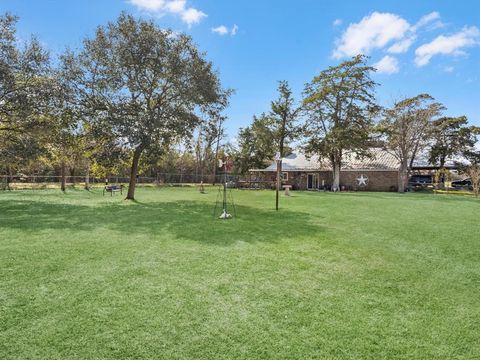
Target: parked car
x=420, y=182
x=462, y=184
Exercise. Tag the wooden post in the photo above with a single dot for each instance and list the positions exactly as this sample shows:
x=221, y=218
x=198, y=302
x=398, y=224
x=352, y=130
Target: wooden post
x=87, y=177
x=63, y=176
x=278, y=160
x=9, y=177
x=278, y=185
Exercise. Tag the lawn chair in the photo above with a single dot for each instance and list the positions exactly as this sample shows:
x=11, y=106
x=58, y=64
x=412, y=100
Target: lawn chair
x=113, y=189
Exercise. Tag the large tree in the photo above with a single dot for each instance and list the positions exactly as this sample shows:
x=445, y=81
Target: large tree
x=407, y=129
x=208, y=137
x=341, y=106
x=283, y=119
x=148, y=86
x=472, y=168
x=220, y=134
x=24, y=94
x=271, y=132
x=24, y=79
x=284, y=124
x=451, y=136
x=255, y=148
x=64, y=129
x=18, y=151
x=34, y=103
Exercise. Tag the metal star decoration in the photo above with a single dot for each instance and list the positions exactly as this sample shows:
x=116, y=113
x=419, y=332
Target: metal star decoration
x=362, y=180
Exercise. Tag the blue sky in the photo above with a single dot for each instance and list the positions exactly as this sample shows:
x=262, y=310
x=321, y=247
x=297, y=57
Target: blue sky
x=419, y=46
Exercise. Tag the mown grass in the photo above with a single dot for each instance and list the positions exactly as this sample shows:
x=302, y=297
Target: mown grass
x=351, y=275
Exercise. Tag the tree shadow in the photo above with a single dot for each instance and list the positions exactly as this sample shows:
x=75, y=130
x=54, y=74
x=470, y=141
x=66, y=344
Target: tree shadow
x=414, y=196
x=187, y=220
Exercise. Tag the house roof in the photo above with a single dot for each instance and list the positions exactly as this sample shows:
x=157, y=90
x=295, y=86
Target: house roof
x=421, y=162
x=380, y=160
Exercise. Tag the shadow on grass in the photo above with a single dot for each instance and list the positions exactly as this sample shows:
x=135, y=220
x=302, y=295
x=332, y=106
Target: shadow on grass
x=413, y=196
x=189, y=220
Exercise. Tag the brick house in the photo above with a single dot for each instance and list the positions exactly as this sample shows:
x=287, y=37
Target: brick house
x=378, y=173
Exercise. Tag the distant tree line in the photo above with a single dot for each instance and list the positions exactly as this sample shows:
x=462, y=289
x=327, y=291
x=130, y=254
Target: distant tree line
x=130, y=95
x=137, y=99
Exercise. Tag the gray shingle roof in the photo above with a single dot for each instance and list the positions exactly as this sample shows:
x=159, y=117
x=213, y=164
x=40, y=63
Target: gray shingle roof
x=381, y=160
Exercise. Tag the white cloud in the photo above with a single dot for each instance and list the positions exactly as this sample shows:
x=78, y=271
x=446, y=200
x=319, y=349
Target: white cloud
x=188, y=15
x=176, y=6
x=448, y=69
x=223, y=30
x=379, y=30
x=337, y=22
x=387, y=65
x=374, y=31
x=150, y=5
x=220, y=30
x=427, y=19
x=447, y=45
x=192, y=16
x=402, y=45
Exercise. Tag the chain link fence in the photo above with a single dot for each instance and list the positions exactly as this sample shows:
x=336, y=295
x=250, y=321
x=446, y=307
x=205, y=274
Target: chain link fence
x=22, y=181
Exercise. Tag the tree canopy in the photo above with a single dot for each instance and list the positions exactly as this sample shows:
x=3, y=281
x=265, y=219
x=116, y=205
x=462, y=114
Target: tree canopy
x=451, y=136
x=146, y=85
x=24, y=79
x=407, y=127
x=256, y=148
x=135, y=99
x=341, y=106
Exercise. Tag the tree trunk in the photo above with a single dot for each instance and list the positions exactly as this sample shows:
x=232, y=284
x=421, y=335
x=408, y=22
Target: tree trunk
x=133, y=173
x=63, y=176
x=442, y=165
x=336, y=176
x=9, y=177
x=279, y=182
x=215, y=162
x=197, y=166
x=443, y=160
x=87, y=178
x=214, y=171
x=402, y=177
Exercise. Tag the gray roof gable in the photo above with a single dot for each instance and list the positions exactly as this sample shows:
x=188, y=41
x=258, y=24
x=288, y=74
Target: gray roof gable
x=380, y=160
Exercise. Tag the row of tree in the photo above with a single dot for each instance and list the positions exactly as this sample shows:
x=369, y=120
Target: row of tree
x=133, y=91
x=339, y=114
x=136, y=98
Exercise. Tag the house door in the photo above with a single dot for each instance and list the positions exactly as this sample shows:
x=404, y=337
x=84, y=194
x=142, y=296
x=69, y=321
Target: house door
x=312, y=181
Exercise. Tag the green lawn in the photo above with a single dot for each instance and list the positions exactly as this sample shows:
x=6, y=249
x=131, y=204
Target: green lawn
x=351, y=275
